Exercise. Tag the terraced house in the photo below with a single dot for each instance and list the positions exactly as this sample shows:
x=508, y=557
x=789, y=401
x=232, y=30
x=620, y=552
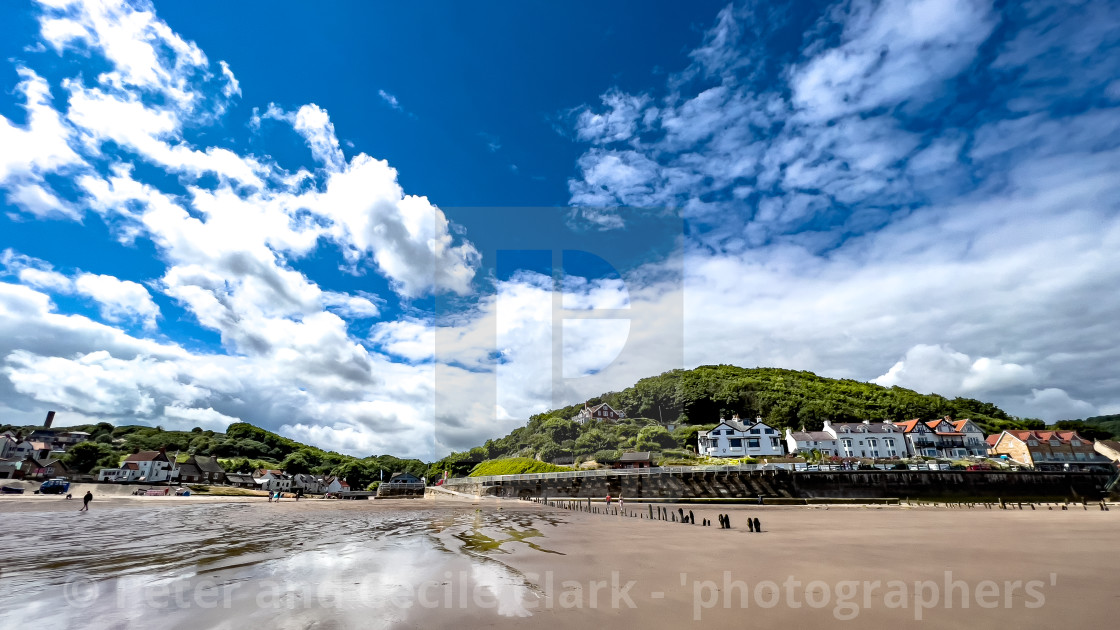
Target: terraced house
x=946, y=438
x=1049, y=450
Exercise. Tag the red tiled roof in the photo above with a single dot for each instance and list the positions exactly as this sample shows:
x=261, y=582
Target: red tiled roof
x=908, y=425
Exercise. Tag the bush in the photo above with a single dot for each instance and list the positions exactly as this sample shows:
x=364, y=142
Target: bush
x=605, y=456
x=515, y=466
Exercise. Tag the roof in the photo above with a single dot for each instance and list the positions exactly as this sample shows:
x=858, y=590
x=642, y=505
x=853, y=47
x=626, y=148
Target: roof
x=813, y=436
x=239, y=478
x=592, y=410
x=1045, y=436
x=130, y=466
x=188, y=469
x=993, y=439
x=39, y=446
x=865, y=427
x=960, y=425
x=640, y=456
x=403, y=475
x=146, y=456
x=208, y=464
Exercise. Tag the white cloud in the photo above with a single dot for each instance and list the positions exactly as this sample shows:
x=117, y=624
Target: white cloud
x=46, y=279
x=390, y=100
x=119, y=299
x=941, y=370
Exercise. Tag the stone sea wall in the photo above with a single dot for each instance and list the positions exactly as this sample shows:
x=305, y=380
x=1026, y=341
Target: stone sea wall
x=785, y=484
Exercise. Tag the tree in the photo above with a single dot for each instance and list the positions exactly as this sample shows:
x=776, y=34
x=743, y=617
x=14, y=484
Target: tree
x=296, y=464
x=83, y=456
x=654, y=438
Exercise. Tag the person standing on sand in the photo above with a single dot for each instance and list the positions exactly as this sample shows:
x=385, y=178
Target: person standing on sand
x=85, y=501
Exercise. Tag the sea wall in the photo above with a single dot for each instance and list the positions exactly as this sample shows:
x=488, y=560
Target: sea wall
x=786, y=484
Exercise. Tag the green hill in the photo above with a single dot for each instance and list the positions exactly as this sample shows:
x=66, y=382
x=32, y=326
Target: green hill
x=692, y=400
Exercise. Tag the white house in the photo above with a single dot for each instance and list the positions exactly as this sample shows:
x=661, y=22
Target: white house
x=335, y=484
x=870, y=440
x=733, y=438
x=273, y=480
x=145, y=466
x=600, y=412
x=808, y=441
x=309, y=484
x=867, y=440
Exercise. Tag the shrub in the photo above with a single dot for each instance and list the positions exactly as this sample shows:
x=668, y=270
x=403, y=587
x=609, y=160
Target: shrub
x=514, y=466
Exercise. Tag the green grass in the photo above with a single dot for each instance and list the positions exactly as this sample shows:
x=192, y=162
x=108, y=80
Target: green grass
x=515, y=466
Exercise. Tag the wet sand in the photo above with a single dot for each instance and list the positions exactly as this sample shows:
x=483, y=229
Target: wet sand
x=231, y=562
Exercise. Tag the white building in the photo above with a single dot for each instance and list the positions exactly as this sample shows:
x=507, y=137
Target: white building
x=145, y=466
x=733, y=438
x=866, y=440
x=944, y=438
x=273, y=480
x=805, y=442
x=869, y=440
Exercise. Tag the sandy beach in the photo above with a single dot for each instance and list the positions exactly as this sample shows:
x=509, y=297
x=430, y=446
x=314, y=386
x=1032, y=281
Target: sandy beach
x=232, y=562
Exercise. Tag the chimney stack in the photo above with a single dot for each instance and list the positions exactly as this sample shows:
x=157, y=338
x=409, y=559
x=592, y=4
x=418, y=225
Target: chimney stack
x=49, y=420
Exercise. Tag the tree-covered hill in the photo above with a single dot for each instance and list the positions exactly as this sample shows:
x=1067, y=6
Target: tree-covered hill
x=691, y=400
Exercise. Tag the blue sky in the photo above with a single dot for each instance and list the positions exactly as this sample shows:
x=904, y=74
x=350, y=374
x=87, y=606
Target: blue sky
x=343, y=223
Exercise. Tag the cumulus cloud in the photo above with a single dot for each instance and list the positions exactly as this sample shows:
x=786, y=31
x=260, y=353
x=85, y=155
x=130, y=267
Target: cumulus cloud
x=941, y=370
x=118, y=299
x=231, y=235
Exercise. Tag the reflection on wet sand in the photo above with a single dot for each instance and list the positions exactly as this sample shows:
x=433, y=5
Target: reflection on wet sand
x=238, y=565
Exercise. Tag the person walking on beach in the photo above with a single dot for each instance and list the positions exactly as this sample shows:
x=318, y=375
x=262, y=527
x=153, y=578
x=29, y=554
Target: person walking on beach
x=85, y=501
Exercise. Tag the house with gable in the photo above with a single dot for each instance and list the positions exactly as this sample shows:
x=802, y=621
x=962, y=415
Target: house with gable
x=208, y=466
x=601, y=412
x=735, y=438
x=144, y=467
x=1050, y=450
x=862, y=440
x=944, y=437
x=308, y=484
x=273, y=480
x=335, y=484
x=806, y=442
x=8, y=442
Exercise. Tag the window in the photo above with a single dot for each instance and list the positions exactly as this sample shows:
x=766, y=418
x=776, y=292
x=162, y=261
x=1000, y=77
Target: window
x=752, y=443
x=775, y=442
x=736, y=442
x=755, y=431
x=770, y=431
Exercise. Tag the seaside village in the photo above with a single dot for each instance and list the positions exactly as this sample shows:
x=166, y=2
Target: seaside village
x=940, y=444
x=41, y=454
